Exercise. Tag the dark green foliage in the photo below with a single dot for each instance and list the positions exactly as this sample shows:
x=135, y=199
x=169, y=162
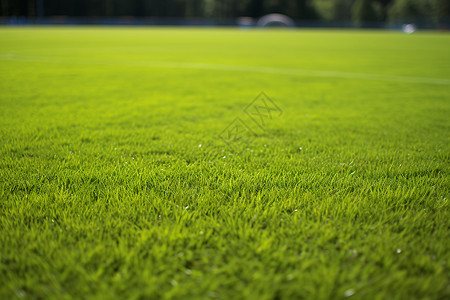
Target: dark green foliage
x=359, y=11
x=230, y=9
x=365, y=11
x=342, y=10
x=406, y=11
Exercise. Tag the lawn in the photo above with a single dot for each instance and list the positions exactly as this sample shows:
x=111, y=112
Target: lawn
x=170, y=163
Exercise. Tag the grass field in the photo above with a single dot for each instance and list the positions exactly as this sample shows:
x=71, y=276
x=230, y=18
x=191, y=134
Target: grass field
x=107, y=193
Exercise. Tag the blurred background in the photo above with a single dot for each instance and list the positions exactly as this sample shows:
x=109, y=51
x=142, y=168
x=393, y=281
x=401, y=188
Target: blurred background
x=431, y=14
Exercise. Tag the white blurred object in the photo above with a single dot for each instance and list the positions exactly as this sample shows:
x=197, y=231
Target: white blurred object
x=277, y=20
x=408, y=28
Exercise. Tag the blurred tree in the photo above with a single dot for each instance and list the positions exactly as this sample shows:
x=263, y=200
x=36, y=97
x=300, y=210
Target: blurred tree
x=253, y=8
x=383, y=6
x=109, y=8
x=94, y=8
x=441, y=10
x=342, y=10
x=407, y=11
x=31, y=8
x=324, y=9
x=332, y=10
x=304, y=10
x=194, y=8
x=4, y=8
x=296, y=9
x=228, y=9
x=364, y=11
x=18, y=8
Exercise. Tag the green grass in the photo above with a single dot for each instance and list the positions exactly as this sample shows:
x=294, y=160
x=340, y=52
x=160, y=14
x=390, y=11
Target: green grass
x=105, y=192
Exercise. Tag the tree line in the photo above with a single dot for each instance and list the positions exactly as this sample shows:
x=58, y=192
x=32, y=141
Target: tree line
x=329, y=10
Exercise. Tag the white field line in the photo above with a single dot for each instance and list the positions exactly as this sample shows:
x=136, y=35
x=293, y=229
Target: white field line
x=234, y=68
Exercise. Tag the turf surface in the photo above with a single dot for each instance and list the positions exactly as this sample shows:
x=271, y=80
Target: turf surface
x=118, y=178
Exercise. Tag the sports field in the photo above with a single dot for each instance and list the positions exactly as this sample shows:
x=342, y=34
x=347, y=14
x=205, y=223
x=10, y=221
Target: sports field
x=143, y=163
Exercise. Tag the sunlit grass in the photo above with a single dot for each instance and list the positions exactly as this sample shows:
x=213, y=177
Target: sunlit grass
x=105, y=192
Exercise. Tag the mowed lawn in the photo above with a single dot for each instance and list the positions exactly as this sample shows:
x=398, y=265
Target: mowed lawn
x=118, y=178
